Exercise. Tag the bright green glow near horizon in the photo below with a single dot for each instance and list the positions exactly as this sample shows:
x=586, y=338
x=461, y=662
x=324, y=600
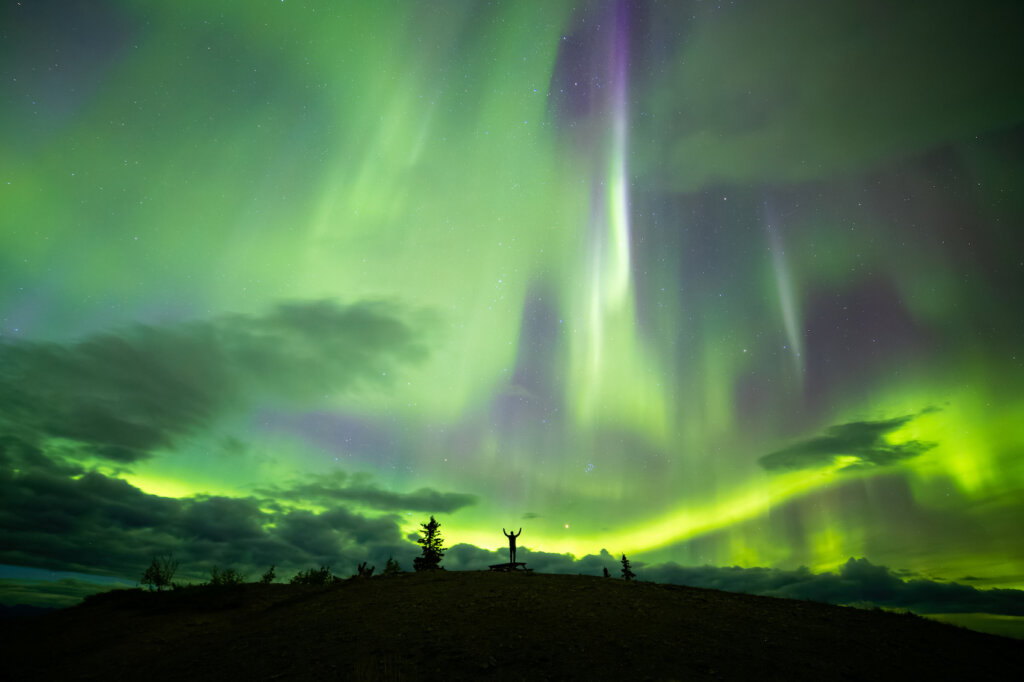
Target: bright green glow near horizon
x=636, y=262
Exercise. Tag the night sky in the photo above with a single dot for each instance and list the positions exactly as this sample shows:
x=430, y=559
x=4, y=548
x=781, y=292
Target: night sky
x=711, y=284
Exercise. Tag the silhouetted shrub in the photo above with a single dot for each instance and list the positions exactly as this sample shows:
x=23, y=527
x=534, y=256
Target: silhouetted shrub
x=606, y=573
x=364, y=572
x=627, y=574
x=269, y=576
x=160, y=572
x=433, y=547
x=314, y=577
x=228, y=576
x=392, y=567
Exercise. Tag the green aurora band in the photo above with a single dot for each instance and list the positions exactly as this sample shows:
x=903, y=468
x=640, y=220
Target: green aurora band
x=712, y=286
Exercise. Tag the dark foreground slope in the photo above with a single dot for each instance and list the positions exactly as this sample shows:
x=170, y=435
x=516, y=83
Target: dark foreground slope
x=477, y=625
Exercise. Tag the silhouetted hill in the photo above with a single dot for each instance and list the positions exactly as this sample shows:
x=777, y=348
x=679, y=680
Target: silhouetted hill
x=479, y=625
x=24, y=611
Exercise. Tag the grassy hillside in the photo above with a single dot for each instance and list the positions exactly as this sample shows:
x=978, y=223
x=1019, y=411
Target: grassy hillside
x=479, y=625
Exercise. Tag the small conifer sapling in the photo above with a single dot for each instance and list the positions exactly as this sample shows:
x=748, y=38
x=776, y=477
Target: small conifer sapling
x=269, y=576
x=627, y=574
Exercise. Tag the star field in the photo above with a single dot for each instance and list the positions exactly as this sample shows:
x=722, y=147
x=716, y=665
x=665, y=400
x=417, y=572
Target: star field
x=708, y=285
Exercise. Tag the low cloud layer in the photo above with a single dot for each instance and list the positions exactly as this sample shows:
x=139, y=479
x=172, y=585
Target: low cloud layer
x=120, y=397
x=858, y=581
x=60, y=517
x=63, y=517
x=863, y=440
x=55, y=594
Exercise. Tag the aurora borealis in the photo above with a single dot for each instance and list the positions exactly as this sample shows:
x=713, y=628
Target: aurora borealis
x=709, y=284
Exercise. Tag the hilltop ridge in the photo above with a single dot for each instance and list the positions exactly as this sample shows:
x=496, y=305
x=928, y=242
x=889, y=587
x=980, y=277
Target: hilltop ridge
x=481, y=625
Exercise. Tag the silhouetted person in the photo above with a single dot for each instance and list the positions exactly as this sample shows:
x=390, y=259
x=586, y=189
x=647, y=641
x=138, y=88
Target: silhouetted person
x=512, y=543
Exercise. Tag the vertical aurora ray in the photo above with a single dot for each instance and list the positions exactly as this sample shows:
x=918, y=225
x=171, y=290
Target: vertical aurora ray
x=788, y=300
x=612, y=381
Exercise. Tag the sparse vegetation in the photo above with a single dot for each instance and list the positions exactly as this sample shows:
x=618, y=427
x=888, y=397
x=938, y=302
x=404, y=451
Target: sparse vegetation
x=627, y=573
x=433, y=547
x=160, y=572
x=269, y=576
x=228, y=576
x=313, y=576
x=364, y=572
x=392, y=567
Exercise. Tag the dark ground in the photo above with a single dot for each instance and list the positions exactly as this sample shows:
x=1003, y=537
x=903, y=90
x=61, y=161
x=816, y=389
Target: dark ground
x=480, y=625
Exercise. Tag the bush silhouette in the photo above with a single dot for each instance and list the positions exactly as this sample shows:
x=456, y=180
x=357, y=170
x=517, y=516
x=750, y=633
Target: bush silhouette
x=627, y=574
x=433, y=547
x=160, y=572
x=365, y=572
x=228, y=576
x=269, y=576
x=392, y=567
x=313, y=576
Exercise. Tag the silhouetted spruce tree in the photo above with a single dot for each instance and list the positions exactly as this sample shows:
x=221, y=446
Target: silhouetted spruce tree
x=626, y=573
x=433, y=547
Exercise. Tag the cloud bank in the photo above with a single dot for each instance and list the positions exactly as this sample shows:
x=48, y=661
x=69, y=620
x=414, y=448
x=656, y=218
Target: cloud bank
x=863, y=440
x=858, y=581
x=120, y=396
x=61, y=516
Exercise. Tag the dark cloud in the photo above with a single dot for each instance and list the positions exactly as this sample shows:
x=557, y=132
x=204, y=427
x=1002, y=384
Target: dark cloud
x=223, y=519
x=122, y=395
x=330, y=490
x=748, y=101
x=17, y=454
x=59, y=517
x=51, y=593
x=864, y=440
x=858, y=581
